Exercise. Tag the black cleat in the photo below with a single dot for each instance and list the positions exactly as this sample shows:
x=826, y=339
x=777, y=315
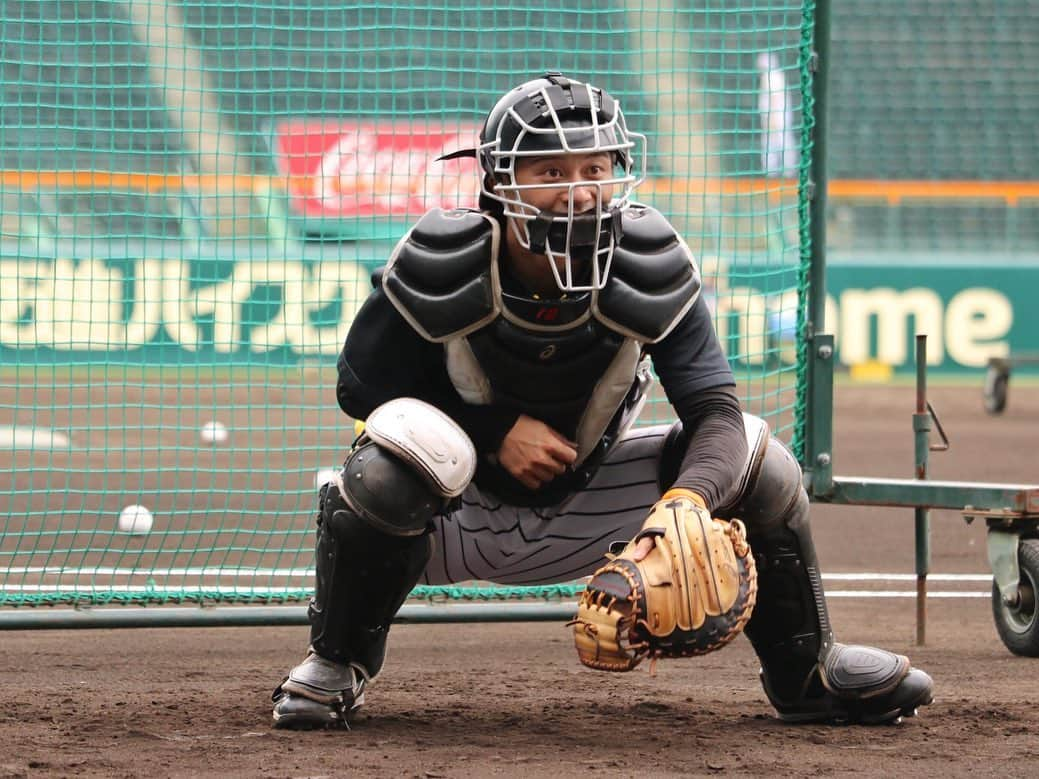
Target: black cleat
x=294, y=712
x=319, y=693
x=857, y=685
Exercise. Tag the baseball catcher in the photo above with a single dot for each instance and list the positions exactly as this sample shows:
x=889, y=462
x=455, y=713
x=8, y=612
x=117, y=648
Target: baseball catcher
x=501, y=361
x=688, y=592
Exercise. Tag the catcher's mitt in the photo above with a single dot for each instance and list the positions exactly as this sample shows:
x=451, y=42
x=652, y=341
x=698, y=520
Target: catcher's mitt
x=692, y=594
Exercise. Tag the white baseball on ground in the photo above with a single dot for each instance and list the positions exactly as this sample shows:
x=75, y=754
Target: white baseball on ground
x=213, y=432
x=135, y=519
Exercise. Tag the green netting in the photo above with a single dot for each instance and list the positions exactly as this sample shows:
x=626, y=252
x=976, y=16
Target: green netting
x=194, y=192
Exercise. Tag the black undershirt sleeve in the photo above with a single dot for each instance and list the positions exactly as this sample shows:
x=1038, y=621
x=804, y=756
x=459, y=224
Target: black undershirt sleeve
x=698, y=381
x=717, y=445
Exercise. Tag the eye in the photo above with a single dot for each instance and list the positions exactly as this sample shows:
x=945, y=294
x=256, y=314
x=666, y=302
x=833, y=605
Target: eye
x=597, y=170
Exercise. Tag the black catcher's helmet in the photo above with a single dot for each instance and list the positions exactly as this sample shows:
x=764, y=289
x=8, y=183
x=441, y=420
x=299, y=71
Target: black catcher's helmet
x=557, y=115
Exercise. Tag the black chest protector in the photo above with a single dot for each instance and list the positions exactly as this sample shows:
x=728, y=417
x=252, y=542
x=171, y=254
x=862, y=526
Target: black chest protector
x=572, y=362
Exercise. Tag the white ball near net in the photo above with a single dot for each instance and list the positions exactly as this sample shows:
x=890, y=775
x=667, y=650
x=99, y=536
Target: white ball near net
x=213, y=433
x=136, y=520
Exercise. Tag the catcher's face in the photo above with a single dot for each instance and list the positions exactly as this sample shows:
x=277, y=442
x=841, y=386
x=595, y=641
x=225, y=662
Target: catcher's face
x=560, y=186
x=550, y=183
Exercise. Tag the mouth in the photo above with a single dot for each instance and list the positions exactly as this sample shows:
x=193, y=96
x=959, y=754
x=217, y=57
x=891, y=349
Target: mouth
x=580, y=234
x=565, y=215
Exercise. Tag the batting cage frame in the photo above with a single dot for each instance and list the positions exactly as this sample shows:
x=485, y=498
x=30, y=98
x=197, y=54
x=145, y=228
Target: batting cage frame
x=222, y=197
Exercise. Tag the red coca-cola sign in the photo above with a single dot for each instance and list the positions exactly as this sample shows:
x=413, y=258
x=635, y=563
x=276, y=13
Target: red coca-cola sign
x=352, y=170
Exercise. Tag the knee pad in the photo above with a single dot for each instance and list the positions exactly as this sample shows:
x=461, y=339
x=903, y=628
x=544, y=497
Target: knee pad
x=769, y=494
x=410, y=461
x=383, y=491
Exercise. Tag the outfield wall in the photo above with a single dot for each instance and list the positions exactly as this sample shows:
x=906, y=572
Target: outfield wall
x=174, y=310
x=971, y=308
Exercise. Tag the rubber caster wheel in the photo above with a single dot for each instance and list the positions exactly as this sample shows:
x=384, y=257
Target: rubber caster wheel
x=996, y=382
x=1018, y=622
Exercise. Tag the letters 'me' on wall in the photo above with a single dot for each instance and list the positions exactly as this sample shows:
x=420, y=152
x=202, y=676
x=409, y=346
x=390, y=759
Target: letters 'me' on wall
x=874, y=313
x=876, y=324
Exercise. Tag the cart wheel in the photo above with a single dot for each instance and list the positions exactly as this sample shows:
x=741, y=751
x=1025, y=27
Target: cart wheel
x=1018, y=623
x=996, y=382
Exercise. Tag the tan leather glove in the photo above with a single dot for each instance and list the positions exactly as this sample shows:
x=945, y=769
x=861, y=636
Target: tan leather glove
x=691, y=594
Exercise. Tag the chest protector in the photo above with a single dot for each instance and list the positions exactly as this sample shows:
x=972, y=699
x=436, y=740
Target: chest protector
x=572, y=362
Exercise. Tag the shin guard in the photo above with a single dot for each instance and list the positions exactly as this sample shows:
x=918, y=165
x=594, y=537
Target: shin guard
x=807, y=676
x=363, y=578
x=790, y=626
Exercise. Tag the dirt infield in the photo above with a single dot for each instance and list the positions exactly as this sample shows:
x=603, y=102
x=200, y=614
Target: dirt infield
x=512, y=700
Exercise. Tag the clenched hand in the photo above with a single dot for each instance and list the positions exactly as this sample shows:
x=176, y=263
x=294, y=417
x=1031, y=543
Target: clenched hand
x=534, y=453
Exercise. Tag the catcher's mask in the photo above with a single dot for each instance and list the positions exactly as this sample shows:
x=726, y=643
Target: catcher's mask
x=556, y=115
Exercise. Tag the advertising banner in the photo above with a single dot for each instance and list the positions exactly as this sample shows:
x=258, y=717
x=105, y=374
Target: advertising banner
x=971, y=311
x=177, y=311
x=370, y=179
x=242, y=309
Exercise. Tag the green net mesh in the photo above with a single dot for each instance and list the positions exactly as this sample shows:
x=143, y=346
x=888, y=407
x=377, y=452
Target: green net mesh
x=193, y=194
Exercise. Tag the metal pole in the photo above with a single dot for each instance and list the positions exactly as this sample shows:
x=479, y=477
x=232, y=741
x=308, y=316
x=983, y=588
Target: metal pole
x=819, y=182
x=1009, y=499
x=242, y=616
x=818, y=355
x=921, y=429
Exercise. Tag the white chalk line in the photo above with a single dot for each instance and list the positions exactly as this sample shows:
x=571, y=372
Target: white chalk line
x=100, y=570
x=27, y=437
